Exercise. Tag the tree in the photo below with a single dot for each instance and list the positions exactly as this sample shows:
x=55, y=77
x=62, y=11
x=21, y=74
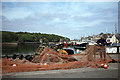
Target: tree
x=89, y=38
x=8, y=36
x=26, y=38
x=45, y=40
x=30, y=37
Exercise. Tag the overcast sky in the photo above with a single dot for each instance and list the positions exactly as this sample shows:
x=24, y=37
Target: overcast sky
x=68, y=19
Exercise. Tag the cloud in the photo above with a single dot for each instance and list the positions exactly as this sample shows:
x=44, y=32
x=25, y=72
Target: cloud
x=60, y=0
x=70, y=19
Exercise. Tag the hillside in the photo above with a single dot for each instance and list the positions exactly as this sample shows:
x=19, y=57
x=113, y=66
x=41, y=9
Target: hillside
x=30, y=37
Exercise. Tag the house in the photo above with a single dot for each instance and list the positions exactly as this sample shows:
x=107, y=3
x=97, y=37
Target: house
x=114, y=39
x=118, y=37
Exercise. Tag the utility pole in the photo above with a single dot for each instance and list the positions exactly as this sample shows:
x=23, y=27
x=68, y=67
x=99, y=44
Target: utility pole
x=115, y=29
x=106, y=33
x=106, y=30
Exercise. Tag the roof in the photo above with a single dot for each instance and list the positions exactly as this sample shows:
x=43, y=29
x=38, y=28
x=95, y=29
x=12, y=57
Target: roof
x=118, y=36
x=116, y=44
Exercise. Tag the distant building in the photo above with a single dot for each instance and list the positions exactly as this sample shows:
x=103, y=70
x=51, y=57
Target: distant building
x=61, y=40
x=118, y=37
x=51, y=43
x=114, y=39
x=41, y=41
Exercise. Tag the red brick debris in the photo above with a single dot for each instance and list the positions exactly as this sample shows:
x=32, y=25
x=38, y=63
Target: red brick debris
x=51, y=60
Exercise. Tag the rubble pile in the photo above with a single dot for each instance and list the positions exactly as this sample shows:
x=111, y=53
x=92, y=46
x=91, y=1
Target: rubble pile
x=49, y=59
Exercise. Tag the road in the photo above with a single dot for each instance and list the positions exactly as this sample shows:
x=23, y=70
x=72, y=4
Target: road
x=86, y=72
